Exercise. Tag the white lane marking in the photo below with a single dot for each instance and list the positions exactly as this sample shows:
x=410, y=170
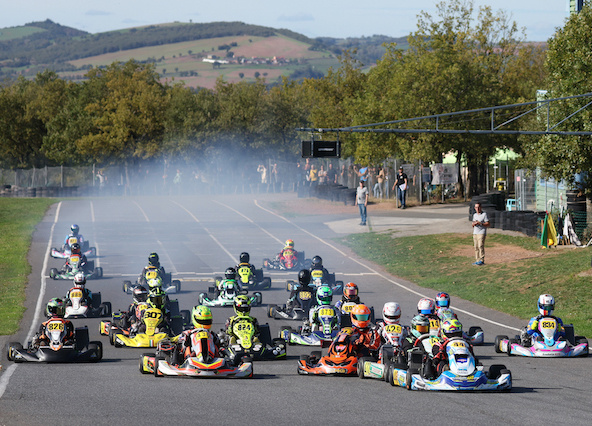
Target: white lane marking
x=166, y=254
x=404, y=287
x=250, y=220
x=234, y=259
x=142, y=210
x=10, y=370
x=92, y=212
x=97, y=254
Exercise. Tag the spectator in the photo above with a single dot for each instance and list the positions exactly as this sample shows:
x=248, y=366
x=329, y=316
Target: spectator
x=362, y=201
x=480, y=225
x=314, y=175
x=322, y=175
x=379, y=185
x=331, y=174
x=177, y=181
x=401, y=184
x=263, y=171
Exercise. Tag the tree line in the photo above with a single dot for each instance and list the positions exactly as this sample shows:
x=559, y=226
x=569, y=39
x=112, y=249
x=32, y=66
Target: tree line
x=124, y=114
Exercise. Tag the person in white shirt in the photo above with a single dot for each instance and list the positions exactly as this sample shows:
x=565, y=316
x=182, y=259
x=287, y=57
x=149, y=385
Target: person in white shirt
x=480, y=225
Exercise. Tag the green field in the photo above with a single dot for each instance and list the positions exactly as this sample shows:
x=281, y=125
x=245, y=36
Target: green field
x=513, y=287
x=18, y=32
x=18, y=218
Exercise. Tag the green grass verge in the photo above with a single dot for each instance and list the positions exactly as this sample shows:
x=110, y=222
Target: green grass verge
x=18, y=218
x=433, y=261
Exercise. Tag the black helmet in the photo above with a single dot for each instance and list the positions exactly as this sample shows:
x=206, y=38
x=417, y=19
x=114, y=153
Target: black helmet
x=304, y=277
x=75, y=248
x=244, y=257
x=317, y=262
x=153, y=259
x=230, y=274
x=140, y=294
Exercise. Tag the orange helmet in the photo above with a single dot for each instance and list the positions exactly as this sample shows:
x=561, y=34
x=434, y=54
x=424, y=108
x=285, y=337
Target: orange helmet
x=289, y=243
x=360, y=316
x=350, y=291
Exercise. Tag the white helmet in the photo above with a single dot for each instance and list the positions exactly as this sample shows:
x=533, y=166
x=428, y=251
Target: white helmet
x=79, y=280
x=426, y=306
x=546, y=304
x=391, y=313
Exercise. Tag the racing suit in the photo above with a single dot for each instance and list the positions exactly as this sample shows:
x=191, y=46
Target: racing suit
x=184, y=343
x=531, y=331
x=79, y=237
x=321, y=273
x=440, y=357
x=313, y=318
x=82, y=265
x=295, y=302
x=368, y=340
x=245, y=265
x=159, y=269
x=86, y=295
x=344, y=300
x=230, y=323
x=281, y=257
x=380, y=324
x=222, y=283
x=41, y=338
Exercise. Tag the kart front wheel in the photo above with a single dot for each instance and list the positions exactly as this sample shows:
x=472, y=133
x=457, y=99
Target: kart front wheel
x=98, y=347
x=361, y=365
x=156, y=361
x=498, y=343
x=13, y=346
x=106, y=309
x=53, y=273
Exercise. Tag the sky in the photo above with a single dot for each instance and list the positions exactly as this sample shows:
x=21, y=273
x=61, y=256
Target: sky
x=313, y=18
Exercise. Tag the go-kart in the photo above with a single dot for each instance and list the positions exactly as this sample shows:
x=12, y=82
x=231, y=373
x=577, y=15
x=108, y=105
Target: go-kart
x=548, y=345
x=341, y=359
x=169, y=285
x=64, y=252
x=226, y=296
x=78, y=306
x=248, y=279
x=293, y=260
x=390, y=353
x=461, y=373
x=155, y=330
x=58, y=349
x=168, y=360
x=327, y=329
x=296, y=309
x=248, y=344
x=329, y=279
x=73, y=267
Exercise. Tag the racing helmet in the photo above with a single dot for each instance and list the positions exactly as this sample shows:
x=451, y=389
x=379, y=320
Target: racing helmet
x=157, y=298
x=360, y=316
x=324, y=295
x=140, y=294
x=242, y=305
x=75, y=248
x=75, y=229
x=350, y=292
x=451, y=328
x=79, y=280
x=304, y=277
x=420, y=325
x=442, y=300
x=546, y=304
x=244, y=257
x=289, y=244
x=154, y=283
x=153, y=259
x=317, y=262
x=425, y=306
x=230, y=274
x=391, y=313
x=201, y=316
x=55, y=308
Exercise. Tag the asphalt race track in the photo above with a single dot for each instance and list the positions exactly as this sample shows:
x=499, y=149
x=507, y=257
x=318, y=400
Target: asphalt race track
x=199, y=237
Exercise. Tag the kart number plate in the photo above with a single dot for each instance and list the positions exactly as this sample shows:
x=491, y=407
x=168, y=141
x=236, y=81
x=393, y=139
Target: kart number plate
x=244, y=327
x=393, y=328
x=348, y=307
x=74, y=260
x=317, y=274
x=288, y=253
x=72, y=240
x=76, y=293
x=459, y=344
x=548, y=324
x=326, y=312
x=150, y=275
x=434, y=323
x=341, y=370
x=56, y=325
x=305, y=295
x=201, y=335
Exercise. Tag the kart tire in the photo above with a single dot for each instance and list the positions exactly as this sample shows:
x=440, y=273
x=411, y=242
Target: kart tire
x=391, y=375
x=270, y=311
x=127, y=287
x=408, y=379
x=156, y=361
x=177, y=285
x=360, y=367
x=53, y=273
x=98, y=346
x=494, y=371
x=105, y=309
x=316, y=354
x=258, y=298
x=112, y=336
x=96, y=300
x=13, y=345
x=474, y=330
x=141, y=363
x=201, y=298
x=498, y=343
x=266, y=283
x=304, y=358
x=99, y=271
x=579, y=341
x=509, y=348
x=186, y=315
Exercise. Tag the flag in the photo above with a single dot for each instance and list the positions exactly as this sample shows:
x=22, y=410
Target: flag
x=549, y=234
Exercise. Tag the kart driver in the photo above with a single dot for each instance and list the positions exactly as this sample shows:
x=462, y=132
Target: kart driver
x=317, y=270
x=427, y=308
x=242, y=309
x=288, y=248
x=350, y=295
x=244, y=262
x=74, y=229
x=391, y=314
x=54, y=310
x=79, y=284
x=451, y=329
x=369, y=338
x=139, y=295
x=546, y=306
x=294, y=301
x=229, y=276
x=324, y=299
x=152, y=270
x=201, y=317
x=82, y=264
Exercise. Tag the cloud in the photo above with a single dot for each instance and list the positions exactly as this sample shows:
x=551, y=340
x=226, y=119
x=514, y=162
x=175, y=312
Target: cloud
x=298, y=17
x=98, y=13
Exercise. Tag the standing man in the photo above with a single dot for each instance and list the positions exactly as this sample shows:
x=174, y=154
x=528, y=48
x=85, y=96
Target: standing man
x=362, y=201
x=401, y=183
x=480, y=225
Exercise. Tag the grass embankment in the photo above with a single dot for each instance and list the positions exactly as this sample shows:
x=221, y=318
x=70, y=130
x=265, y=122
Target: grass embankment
x=513, y=286
x=18, y=217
